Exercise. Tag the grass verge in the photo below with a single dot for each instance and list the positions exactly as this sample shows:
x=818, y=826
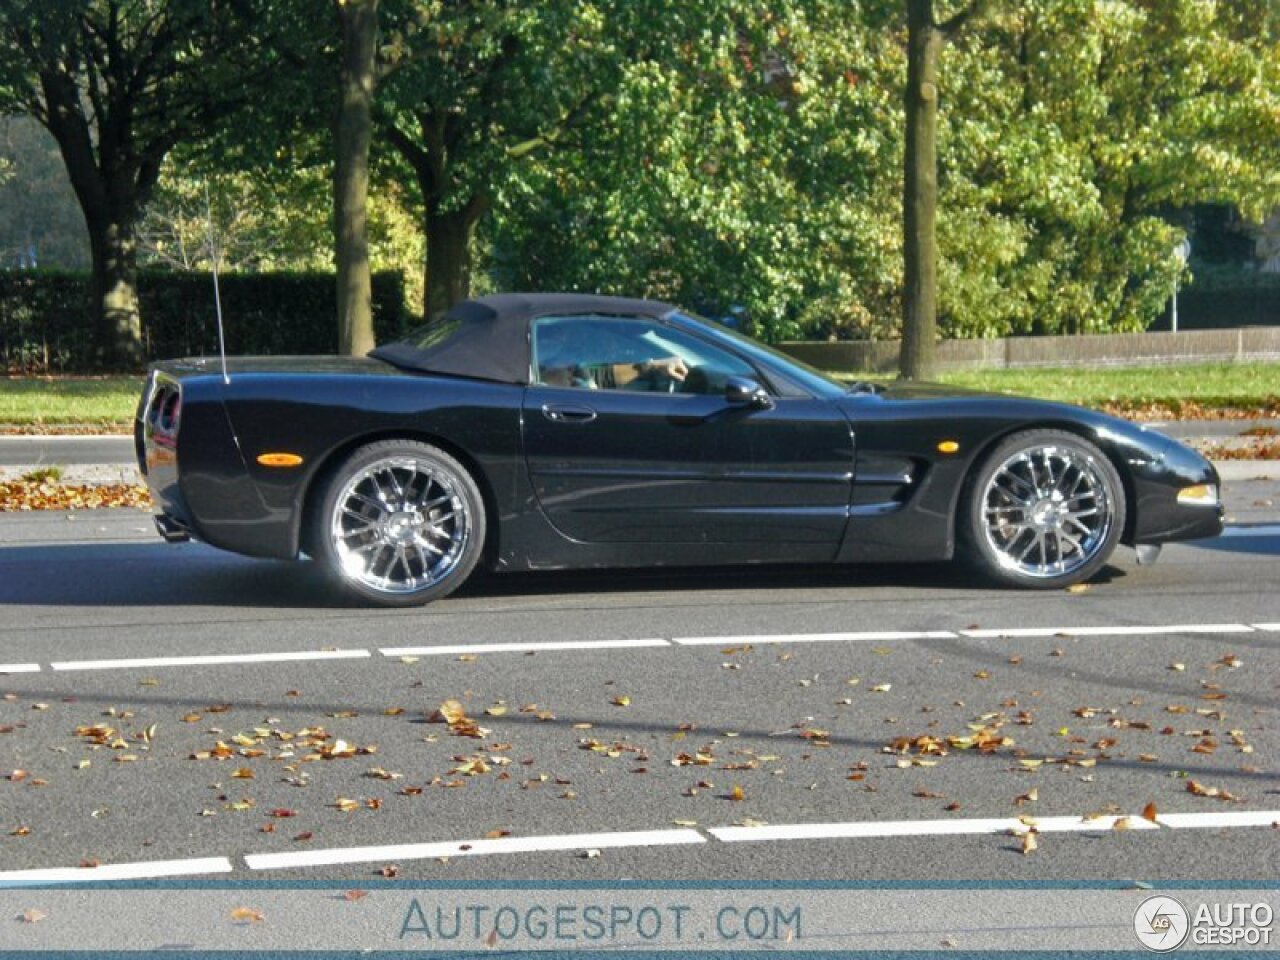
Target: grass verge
x=1208, y=390
x=89, y=404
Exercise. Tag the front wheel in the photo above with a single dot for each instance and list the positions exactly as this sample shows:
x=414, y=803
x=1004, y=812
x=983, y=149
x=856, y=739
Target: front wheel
x=1043, y=511
x=400, y=523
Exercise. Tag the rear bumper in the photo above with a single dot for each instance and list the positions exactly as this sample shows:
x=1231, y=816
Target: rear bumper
x=155, y=439
x=191, y=461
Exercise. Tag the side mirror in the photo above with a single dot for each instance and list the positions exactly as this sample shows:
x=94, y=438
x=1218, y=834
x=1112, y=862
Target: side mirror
x=745, y=392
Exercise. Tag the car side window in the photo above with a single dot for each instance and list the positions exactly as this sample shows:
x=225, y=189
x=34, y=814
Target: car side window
x=628, y=353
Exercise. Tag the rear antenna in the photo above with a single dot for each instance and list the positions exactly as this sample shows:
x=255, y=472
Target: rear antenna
x=217, y=297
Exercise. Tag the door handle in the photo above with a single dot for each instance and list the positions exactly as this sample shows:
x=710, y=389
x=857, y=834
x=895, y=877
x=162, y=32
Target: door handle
x=567, y=413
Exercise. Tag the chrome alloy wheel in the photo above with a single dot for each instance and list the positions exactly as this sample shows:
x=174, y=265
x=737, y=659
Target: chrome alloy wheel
x=1047, y=511
x=399, y=525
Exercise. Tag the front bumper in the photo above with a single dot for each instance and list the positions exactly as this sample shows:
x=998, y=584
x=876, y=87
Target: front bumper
x=1160, y=517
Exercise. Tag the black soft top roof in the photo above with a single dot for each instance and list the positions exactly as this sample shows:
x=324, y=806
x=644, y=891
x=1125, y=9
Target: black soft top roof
x=488, y=338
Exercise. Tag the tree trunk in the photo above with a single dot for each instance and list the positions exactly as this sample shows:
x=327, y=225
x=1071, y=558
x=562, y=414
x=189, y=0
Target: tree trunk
x=917, y=360
x=110, y=195
x=352, y=134
x=118, y=330
x=448, y=277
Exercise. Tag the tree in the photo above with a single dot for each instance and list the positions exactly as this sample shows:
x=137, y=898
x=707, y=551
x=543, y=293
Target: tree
x=358, y=20
x=1077, y=140
x=743, y=161
x=469, y=91
x=263, y=219
x=120, y=83
x=925, y=39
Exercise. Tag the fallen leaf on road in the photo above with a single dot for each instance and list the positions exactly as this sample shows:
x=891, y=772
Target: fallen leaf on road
x=1217, y=793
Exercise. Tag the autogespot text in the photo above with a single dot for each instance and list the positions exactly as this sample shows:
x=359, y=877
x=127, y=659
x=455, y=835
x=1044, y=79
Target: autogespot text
x=597, y=923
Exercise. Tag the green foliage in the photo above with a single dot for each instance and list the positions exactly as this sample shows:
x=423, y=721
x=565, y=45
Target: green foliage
x=748, y=163
x=44, y=325
x=49, y=474
x=1073, y=133
x=761, y=166
x=740, y=155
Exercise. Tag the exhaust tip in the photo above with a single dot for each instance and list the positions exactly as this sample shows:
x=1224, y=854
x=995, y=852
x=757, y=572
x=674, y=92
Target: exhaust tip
x=171, y=530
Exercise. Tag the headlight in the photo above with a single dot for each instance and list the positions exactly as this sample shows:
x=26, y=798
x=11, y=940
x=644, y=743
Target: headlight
x=1201, y=495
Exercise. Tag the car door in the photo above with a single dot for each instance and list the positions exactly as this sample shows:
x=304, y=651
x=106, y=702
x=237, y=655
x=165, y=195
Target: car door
x=652, y=459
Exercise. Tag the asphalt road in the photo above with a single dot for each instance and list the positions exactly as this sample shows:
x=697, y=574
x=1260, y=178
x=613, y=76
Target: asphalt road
x=760, y=724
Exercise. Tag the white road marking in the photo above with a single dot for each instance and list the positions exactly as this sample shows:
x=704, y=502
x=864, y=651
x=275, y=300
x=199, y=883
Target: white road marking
x=533, y=646
x=882, y=636
x=871, y=829
x=925, y=828
x=1225, y=818
x=287, y=656
x=520, y=646
x=472, y=848
x=115, y=871
x=1109, y=631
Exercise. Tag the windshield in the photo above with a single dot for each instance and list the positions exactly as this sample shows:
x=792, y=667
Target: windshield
x=811, y=378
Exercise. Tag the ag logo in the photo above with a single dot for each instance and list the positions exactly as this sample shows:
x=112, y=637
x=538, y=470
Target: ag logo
x=1161, y=923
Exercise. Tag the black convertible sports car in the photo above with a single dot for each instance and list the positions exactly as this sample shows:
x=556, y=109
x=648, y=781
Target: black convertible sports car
x=554, y=431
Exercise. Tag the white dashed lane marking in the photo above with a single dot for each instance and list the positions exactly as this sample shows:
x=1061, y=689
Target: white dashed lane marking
x=519, y=647
x=287, y=656
x=116, y=871
x=857, y=830
x=873, y=636
x=1109, y=631
x=569, y=646
x=473, y=848
x=926, y=828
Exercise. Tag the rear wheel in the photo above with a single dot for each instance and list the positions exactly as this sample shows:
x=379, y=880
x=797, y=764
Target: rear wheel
x=1044, y=510
x=400, y=523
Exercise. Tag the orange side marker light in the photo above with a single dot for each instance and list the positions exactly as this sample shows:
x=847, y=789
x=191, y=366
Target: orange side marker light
x=279, y=459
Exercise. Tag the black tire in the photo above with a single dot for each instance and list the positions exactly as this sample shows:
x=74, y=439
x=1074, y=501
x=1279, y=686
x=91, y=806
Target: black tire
x=1043, y=510
x=399, y=523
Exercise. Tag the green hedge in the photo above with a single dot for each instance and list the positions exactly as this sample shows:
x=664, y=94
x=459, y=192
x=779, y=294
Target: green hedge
x=1225, y=296
x=46, y=323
